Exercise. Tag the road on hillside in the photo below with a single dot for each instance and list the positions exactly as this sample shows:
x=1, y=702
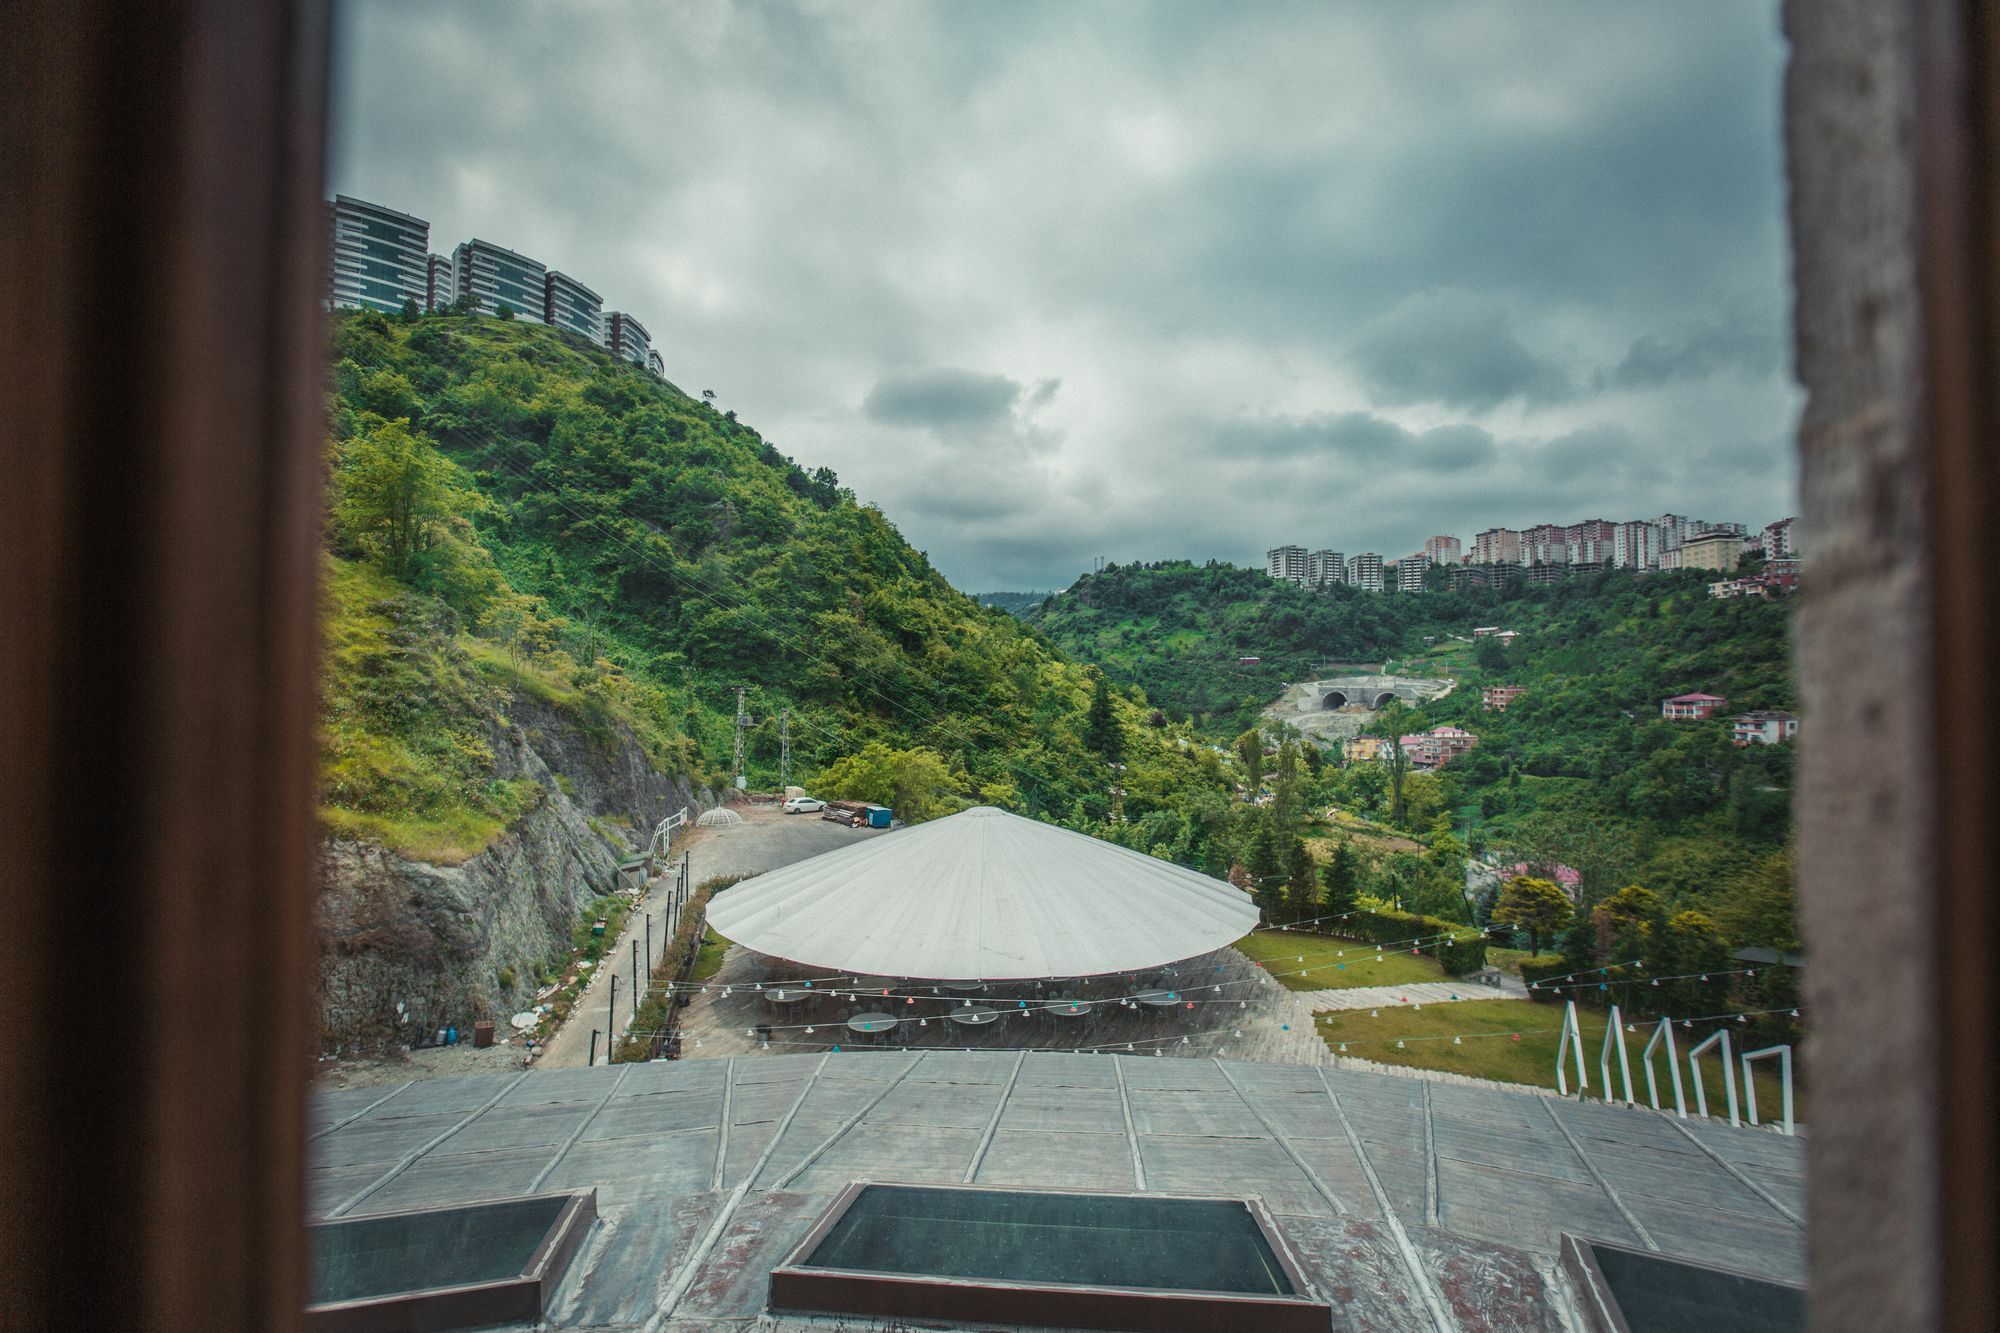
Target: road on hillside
x=765, y=840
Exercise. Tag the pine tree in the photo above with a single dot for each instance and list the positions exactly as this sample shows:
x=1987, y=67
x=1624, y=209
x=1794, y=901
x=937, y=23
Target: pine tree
x=1100, y=724
x=1341, y=879
x=1301, y=884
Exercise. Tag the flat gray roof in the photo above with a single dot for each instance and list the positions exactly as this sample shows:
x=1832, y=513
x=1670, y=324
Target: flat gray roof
x=1424, y=1205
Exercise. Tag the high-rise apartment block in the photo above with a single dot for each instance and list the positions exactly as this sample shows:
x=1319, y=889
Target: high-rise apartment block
x=1326, y=568
x=1545, y=544
x=1720, y=549
x=1497, y=546
x=568, y=304
x=376, y=257
x=656, y=363
x=1410, y=571
x=1780, y=540
x=1636, y=545
x=1287, y=563
x=1442, y=550
x=1589, y=542
x=627, y=337
x=494, y=276
x=439, y=290
x=1364, y=571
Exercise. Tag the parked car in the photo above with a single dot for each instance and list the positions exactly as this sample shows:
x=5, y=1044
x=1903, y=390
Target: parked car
x=803, y=805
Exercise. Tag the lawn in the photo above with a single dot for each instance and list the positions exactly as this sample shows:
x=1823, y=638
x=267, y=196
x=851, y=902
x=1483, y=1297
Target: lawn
x=1488, y=1049
x=1510, y=960
x=709, y=961
x=1313, y=962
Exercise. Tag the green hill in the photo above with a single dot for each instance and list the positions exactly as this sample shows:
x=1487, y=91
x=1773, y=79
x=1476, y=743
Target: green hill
x=515, y=512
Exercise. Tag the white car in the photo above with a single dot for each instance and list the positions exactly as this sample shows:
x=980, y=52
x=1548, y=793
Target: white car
x=803, y=805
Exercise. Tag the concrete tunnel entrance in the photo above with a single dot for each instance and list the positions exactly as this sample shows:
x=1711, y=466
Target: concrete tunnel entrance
x=1333, y=701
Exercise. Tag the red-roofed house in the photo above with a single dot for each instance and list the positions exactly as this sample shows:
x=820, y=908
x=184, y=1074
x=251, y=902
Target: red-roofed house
x=1689, y=707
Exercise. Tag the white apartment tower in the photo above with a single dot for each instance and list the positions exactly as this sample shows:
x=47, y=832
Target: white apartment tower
x=377, y=257
x=1326, y=568
x=494, y=276
x=627, y=337
x=1364, y=571
x=1287, y=563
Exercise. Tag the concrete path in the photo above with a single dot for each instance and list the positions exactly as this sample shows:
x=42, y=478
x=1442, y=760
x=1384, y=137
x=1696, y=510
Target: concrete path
x=765, y=840
x=1391, y=997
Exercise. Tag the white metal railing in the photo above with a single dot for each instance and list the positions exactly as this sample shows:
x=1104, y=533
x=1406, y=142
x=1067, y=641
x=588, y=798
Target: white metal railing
x=1572, y=1035
x=1784, y=1054
x=1664, y=1033
x=1721, y=1036
x=1615, y=1032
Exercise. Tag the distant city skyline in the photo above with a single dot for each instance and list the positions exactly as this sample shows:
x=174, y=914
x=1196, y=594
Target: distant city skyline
x=1056, y=282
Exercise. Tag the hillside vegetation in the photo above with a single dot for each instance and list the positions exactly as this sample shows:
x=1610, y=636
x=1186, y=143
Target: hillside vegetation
x=514, y=511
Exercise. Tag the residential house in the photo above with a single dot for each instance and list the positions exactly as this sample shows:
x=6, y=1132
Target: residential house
x=1691, y=707
x=1763, y=726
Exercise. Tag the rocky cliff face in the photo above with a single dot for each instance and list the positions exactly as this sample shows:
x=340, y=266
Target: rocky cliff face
x=410, y=947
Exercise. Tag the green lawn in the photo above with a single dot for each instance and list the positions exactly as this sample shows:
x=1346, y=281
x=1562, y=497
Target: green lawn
x=1488, y=1049
x=1510, y=960
x=1313, y=962
x=709, y=961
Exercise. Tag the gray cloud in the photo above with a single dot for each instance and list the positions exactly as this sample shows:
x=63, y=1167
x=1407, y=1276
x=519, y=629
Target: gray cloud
x=942, y=397
x=1050, y=281
x=1455, y=347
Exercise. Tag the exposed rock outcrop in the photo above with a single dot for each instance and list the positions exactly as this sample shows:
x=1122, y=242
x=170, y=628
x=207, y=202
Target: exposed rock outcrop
x=410, y=947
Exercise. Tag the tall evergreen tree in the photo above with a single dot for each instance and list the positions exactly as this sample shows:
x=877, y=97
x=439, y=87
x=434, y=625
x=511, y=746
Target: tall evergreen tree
x=1341, y=879
x=1100, y=725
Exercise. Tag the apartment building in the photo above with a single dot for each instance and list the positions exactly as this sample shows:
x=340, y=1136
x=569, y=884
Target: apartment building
x=1763, y=726
x=1497, y=546
x=1410, y=571
x=1443, y=550
x=1326, y=568
x=439, y=290
x=377, y=258
x=1495, y=698
x=1364, y=571
x=1545, y=544
x=627, y=337
x=1591, y=542
x=1287, y=563
x=1719, y=549
x=494, y=276
x=656, y=363
x=1780, y=540
x=1438, y=746
x=1636, y=545
x=568, y=304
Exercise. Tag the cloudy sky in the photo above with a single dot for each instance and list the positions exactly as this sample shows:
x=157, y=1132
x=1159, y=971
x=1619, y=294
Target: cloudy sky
x=1054, y=281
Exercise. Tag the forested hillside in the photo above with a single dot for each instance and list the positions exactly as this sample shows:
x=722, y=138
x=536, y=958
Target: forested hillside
x=517, y=514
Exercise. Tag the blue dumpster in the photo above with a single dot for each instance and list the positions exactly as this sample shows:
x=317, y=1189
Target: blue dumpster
x=879, y=816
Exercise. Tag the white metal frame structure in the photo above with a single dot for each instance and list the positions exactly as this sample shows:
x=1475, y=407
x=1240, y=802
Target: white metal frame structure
x=1784, y=1054
x=1720, y=1035
x=1664, y=1032
x=1572, y=1032
x=1616, y=1033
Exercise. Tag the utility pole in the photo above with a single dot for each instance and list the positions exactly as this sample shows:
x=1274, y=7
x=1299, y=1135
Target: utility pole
x=742, y=721
x=784, y=748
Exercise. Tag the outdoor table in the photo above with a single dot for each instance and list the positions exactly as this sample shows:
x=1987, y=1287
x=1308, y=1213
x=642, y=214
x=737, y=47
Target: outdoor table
x=872, y=1022
x=1067, y=1008
x=1159, y=999
x=973, y=1015
x=797, y=995
x=963, y=985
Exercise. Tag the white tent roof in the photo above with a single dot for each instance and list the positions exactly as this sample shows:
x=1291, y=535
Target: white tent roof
x=983, y=895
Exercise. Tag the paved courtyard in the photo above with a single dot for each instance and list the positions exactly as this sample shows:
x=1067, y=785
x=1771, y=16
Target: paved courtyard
x=1414, y=1205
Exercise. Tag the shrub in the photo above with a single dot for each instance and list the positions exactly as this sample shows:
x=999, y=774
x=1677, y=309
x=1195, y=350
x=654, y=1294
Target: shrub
x=1460, y=950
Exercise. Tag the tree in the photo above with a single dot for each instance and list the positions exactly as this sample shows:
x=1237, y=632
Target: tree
x=1250, y=749
x=1264, y=858
x=1390, y=725
x=1341, y=879
x=409, y=312
x=397, y=495
x=1100, y=725
x=1490, y=654
x=1626, y=923
x=503, y=311
x=1301, y=884
x=917, y=783
x=1534, y=905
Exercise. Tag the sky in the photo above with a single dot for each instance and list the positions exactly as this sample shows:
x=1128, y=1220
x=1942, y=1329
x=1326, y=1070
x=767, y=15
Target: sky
x=1055, y=282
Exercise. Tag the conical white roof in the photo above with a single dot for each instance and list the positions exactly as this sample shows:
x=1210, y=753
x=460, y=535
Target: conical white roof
x=983, y=895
